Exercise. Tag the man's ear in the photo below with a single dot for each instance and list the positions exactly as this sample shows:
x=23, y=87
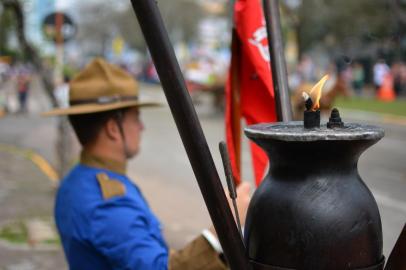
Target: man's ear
x=112, y=130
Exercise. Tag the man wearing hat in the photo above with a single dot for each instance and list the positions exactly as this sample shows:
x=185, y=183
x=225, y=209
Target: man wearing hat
x=102, y=217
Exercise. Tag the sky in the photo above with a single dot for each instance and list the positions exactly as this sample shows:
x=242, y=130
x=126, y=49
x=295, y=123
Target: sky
x=65, y=4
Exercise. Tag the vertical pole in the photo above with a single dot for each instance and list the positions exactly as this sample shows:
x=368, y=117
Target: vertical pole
x=190, y=131
x=396, y=260
x=235, y=104
x=277, y=56
x=63, y=143
x=59, y=49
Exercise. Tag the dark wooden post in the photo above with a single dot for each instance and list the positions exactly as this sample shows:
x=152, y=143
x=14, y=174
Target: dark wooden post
x=190, y=131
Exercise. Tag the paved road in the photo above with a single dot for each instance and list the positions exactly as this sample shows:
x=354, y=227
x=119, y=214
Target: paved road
x=26, y=195
x=164, y=174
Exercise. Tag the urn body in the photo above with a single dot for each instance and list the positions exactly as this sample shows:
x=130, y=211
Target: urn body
x=312, y=211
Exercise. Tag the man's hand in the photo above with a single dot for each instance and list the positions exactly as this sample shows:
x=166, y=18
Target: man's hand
x=243, y=201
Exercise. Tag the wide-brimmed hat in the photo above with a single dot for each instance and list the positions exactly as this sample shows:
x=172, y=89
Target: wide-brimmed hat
x=99, y=87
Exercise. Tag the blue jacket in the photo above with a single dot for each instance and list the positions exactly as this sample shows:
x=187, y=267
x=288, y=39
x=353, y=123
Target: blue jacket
x=99, y=233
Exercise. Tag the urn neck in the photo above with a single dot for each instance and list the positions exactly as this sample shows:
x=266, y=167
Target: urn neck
x=314, y=157
x=297, y=150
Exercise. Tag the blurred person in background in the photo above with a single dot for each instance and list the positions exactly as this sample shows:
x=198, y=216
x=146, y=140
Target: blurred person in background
x=399, y=78
x=340, y=84
x=307, y=69
x=23, y=86
x=402, y=79
x=4, y=68
x=61, y=92
x=358, y=78
x=381, y=69
x=101, y=215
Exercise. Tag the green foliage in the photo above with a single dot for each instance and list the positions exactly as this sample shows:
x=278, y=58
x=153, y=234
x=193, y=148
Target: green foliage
x=14, y=232
x=14, y=54
x=7, y=26
x=56, y=241
x=349, y=27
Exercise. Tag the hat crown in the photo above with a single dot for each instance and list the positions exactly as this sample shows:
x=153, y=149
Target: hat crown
x=101, y=87
x=100, y=79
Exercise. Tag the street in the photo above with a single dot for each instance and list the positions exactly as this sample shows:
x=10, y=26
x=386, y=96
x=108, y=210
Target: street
x=164, y=174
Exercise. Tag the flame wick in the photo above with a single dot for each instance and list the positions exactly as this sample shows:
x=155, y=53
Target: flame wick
x=308, y=101
x=315, y=93
x=305, y=96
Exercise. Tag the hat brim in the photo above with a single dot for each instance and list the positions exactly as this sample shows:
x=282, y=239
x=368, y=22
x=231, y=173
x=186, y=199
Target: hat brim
x=95, y=108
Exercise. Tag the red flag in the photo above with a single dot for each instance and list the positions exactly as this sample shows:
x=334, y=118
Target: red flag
x=249, y=89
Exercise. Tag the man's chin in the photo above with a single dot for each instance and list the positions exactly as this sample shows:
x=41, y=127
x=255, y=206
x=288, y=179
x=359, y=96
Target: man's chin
x=132, y=154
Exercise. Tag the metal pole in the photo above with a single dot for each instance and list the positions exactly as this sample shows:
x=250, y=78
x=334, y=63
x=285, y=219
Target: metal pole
x=190, y=131
x=278, y=64
x=59, y=49
x=63, y=143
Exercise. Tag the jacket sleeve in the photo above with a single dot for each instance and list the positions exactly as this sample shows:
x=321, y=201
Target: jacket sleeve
x=121, y=233
x=197, y=255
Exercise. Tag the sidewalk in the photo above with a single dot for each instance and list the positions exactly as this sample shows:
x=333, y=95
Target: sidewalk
x=27, y=235
x=379, y=118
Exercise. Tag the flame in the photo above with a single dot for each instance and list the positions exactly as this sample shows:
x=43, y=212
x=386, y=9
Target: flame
x=315, y=93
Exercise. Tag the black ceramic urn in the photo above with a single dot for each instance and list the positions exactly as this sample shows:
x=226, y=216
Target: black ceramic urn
x=313, y=211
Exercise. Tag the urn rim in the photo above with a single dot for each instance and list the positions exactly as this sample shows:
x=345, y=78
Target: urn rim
x=295, y=131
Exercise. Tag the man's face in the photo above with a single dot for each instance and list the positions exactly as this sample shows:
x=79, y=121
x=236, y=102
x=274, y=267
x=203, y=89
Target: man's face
x=132, y=126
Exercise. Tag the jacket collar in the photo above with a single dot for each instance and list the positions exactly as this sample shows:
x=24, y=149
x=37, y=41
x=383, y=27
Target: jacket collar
x=102, y=163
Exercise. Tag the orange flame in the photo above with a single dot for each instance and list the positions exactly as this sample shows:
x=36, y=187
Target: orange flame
x=315, y=93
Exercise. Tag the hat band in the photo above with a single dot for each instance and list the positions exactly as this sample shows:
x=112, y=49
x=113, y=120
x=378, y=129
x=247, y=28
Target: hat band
x=103, y=100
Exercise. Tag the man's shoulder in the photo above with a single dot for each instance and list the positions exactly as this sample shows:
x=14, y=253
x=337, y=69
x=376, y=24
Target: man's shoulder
x=79, y=179
x=85, y=190
x=110, y=187
x=97, y=184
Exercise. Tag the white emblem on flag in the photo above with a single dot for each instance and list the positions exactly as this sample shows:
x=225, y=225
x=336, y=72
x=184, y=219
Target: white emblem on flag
x=259, y=40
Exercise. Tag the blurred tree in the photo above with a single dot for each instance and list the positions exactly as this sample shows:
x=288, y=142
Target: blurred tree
x=7, y=25
x=109, y=18
x=345, y=27
x=399, y=9
x=181, y=17
x=15, y=9
x=95, y=30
